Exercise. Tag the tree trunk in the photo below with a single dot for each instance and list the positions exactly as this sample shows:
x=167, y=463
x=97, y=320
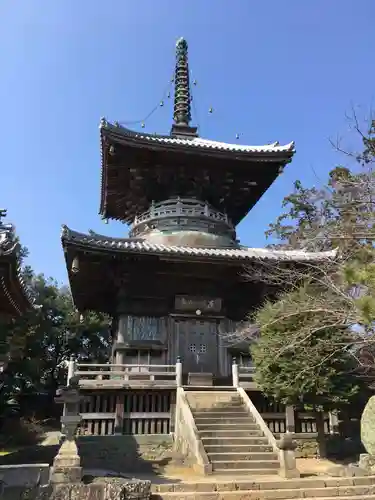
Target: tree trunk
x=322, y=445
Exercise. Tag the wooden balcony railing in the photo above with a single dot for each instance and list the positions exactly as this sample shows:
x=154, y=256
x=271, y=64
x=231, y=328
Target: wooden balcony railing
x=109, y=375
x=246, y=373
x=180, y=207
x=242, y=376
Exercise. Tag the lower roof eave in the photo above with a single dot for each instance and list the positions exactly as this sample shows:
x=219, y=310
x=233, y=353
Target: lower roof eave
x=97, y=243
x=13, y=291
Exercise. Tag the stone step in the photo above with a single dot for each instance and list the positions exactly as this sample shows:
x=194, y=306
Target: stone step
x=244, y=464
x=237, y=448
x=230, y=433
x=224, y=419
x=217, y=396
x=219, y=408
x=225, y=414
x=322, y=485
x=234, y=440
x=251, y=495
x=359, y=488
x=229, y=427
x=246, y=472
x=217, y=389
x=221, y=389
x=230, y=456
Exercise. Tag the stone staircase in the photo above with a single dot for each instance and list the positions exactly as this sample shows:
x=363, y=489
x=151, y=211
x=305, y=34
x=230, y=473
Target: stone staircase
x=354, y=488
x=231, y=438
x=243, y=462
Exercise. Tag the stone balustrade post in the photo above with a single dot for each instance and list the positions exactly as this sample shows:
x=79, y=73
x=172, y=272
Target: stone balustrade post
x=235, y=373
x=287, y=457
x=290, y=421
x=179, y=372
x=70, y=375
x=333, y=423
x=71, y=369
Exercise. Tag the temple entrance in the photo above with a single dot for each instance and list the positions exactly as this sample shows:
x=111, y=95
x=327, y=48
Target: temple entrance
x=197, y=343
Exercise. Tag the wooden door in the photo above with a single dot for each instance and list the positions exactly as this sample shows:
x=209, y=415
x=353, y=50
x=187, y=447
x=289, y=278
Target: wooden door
x=197, y=342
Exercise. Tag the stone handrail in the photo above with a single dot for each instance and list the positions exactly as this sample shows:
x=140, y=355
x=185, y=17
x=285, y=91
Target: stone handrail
x=285, y=448
x=258, y=419
x=187, y=440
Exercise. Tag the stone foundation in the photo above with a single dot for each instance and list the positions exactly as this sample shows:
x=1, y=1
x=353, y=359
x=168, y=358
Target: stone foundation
x=103, y=490
x=124, y=454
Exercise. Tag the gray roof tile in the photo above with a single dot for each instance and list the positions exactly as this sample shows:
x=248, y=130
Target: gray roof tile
x=197, y=142
x=97, y=241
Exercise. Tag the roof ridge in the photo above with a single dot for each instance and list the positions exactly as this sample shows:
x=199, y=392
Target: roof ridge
x=67, y=233
x=140, y=244
x=196, y=141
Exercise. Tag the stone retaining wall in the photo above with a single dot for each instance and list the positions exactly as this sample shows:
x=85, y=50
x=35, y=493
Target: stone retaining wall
x=126, y=454
x=24, y=474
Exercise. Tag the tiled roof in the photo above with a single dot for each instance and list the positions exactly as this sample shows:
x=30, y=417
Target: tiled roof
x=9, y=249
x=132, y=245
x=196, y=142
x=7, y=245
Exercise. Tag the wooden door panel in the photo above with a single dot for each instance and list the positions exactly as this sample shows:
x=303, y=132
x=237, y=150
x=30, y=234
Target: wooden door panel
x=197, y=342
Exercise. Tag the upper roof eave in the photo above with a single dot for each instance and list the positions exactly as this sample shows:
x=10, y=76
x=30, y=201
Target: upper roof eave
x=97, y=242
x=273, y=151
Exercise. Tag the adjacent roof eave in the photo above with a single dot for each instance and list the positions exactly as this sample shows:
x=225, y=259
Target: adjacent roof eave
x=97, y=242
x=9, y=250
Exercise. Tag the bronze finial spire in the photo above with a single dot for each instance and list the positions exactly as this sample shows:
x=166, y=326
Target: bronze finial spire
x=182, y=99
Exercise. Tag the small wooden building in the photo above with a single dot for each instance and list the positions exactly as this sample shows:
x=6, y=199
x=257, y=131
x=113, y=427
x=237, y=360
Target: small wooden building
x=15, y=299
x=177, y=283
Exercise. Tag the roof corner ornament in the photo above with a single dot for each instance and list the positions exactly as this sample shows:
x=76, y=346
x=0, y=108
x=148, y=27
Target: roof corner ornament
x=103, y=123
x=182, y=98
x=65, y=232
x=3, y=214
x=7, y=231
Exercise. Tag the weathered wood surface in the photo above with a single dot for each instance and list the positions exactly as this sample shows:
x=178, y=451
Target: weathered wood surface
x=136, y=412
x=131, y=384
x=117, y=375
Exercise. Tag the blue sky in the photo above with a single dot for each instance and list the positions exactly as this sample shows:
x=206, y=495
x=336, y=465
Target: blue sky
x=272, y=70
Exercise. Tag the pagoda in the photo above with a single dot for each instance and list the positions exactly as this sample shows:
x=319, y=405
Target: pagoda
x=176, y=284
x=177, y=279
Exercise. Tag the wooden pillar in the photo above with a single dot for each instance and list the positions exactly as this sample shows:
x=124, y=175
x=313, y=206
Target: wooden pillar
x=119, y=335
x=119, y=414
x=290, y=422
x=121, y=325
x=119, y=358
x=172, y=413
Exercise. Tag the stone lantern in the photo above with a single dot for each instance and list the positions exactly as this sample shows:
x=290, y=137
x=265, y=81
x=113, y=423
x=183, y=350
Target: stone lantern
x=67, y=463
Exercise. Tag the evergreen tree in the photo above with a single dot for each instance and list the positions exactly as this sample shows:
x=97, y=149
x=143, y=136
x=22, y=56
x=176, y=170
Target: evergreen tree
x=40, y=342
x=312, y=335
